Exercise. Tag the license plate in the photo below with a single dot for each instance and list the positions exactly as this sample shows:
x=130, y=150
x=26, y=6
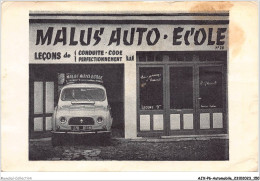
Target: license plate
x=88, y=127
x=81, y=128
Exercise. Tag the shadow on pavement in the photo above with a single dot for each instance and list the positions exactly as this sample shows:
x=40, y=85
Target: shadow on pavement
x=88, y=140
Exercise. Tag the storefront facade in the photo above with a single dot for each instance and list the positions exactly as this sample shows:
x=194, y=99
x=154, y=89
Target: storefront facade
x=167, y=76
x=181, y=93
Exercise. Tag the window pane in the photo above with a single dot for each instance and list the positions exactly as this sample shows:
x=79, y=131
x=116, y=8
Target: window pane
x=159, y=58
x=217, y=56
x=90, y=94
x=38, y=124
x=49, y=98
x=151, y=88
x=181, y=88
x=150, y=57
x=180, y=57
x=48, y=125
x=141, y=58
x=173, y=57
x=38, y=97
x=210, y=80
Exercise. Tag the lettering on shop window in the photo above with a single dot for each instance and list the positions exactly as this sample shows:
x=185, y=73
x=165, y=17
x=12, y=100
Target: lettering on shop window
x=151, y=88
x=152, y=78
x=210, y=87
x=208, y=83
x=209, y=106
x=151, y=107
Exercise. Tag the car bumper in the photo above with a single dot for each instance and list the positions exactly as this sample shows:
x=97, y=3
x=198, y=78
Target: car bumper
x=81, y=132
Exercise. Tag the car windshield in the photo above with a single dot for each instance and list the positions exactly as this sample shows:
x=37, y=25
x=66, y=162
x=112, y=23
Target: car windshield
x=89, y=94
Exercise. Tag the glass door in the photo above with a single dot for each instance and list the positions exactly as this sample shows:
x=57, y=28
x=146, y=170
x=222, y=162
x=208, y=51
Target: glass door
x=43, y=105
x=196, y=99
x=181, y=99
x=181, y=103
x=211, y=98
x=151, y=100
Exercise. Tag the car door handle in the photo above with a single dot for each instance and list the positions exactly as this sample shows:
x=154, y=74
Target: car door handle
x=199, y=98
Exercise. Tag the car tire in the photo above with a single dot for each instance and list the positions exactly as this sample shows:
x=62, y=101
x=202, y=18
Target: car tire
x=106, y=139
x=56, y=139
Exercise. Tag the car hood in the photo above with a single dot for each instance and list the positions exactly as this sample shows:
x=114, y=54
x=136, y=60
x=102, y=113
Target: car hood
x=81, y=109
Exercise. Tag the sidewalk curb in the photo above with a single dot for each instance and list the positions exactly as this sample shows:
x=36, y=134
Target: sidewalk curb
x=181, y=138
x=161, y=139
x=41, y=139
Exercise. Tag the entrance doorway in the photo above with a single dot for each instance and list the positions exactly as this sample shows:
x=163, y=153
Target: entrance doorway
x=46, y=81
x=181, y=97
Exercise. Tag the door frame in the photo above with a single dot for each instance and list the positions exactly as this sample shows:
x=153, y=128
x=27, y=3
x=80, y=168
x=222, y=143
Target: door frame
x=181, y=131
x=44, y=114
x=166, y=90
x=222, y=110
x=150, y=132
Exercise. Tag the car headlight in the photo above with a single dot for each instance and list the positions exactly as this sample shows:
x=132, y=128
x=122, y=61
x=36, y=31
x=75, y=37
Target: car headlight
x=63, y=120
x=100, y=120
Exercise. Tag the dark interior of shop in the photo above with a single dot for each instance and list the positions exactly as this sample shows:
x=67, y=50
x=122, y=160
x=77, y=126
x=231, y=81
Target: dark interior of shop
x=113, y=81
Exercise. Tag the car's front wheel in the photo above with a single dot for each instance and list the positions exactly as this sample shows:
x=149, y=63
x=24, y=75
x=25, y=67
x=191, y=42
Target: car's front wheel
x=56, y=139
x=105, y=139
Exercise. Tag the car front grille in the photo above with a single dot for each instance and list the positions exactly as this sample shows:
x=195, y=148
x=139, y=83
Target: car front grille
x=81, y=121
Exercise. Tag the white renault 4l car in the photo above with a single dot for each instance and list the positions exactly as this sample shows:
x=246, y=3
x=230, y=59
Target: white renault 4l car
x=82, y=109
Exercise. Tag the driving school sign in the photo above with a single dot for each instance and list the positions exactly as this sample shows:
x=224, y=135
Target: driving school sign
x=139, y=36
x=83, y=78
x=116, y=38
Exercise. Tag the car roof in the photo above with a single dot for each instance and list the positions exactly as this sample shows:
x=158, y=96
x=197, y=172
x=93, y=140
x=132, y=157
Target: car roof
x=81, y=85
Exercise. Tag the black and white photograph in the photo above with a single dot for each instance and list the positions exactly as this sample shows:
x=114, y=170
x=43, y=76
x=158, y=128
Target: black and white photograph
x=78, y=110
x=134, y=90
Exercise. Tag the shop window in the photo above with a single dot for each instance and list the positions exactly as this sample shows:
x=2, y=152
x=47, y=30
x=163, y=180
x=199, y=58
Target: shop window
x=159, y=57
x=188, y=57
x=210, y=87
x=151, y=88
x=38, y=124
x=150, y=57
x=181, y=88
x=219, y=56
x=166, y=58
x=204, y=121
x=175, y=121
x=203, y=57
x=217, y=120
x=49, y=97
x=141, y=58
x=158, y=122
x=179, y=57
x=182, y=56
x=173, y=57
x=38, y=97
x=48, y=125
x=187, y=121
x=213, y=56
x=144, y=122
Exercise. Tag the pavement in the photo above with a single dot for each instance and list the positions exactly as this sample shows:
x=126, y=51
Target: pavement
x=162, y=138
x=191, y=147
